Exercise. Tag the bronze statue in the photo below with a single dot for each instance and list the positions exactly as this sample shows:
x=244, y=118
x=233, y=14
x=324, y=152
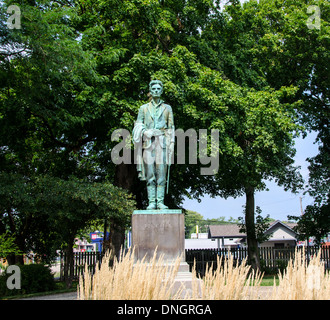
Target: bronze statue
x=154, y=137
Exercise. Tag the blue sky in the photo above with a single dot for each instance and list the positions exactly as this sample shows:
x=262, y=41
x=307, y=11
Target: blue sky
x=276, y=202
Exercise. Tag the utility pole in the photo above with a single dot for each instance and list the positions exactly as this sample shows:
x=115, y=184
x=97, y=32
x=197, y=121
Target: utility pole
x=301, y=208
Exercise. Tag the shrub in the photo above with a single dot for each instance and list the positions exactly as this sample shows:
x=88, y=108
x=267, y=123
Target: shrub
x=34, y=278
x=266, y=269
x=281, y=265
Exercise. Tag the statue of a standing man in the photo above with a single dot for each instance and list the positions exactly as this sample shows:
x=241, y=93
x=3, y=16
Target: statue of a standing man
x=154, y=137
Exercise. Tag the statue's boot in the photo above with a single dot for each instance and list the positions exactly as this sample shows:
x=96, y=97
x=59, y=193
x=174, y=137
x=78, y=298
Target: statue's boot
x=160, y=197
x=152, y=197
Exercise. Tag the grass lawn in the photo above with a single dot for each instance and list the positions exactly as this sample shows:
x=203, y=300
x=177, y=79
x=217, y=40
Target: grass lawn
x=268, y=280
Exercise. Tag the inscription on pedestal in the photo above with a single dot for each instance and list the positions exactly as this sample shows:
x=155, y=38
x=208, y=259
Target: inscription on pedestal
x=163, y=230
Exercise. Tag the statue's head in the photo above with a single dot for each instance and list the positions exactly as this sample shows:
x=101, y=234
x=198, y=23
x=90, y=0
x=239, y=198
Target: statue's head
x=156, y=88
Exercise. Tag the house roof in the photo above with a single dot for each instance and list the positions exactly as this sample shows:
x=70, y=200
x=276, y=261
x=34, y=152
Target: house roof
x=225, y=231
x=286, y=225
x=232, y=230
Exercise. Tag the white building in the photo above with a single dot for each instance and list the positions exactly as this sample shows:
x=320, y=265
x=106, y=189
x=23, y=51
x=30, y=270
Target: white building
x=229, y=235
x=200, y=241
x=282, y=235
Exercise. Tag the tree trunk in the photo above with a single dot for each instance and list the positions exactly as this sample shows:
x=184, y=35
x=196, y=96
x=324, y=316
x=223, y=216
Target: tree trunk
x=69, y=264
x=14, y=258
x=253, y=251
x=20, y=241
x=126, y=178
x=117, y=237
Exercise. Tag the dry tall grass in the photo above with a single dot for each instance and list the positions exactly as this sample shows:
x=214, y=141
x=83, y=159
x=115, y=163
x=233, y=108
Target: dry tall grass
x=227, y=282
x=155, y=280
x=303, y=282
x=128, y=280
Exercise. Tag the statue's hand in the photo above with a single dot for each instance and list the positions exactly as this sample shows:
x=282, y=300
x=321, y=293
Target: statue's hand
x=157, y=132
x=148, y=133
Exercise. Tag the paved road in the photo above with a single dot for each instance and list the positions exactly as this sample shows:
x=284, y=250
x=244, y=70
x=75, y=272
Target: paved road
x=264, y=293
x=59, y=296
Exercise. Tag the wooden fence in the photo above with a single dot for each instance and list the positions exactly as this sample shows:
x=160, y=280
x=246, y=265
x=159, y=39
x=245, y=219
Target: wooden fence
x=80, y=260
x=271, y=259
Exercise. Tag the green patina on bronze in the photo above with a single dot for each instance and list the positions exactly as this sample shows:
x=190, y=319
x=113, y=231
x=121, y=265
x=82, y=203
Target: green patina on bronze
x=154, y=137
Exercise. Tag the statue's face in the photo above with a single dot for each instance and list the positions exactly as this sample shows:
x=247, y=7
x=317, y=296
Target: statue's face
x=156, y=90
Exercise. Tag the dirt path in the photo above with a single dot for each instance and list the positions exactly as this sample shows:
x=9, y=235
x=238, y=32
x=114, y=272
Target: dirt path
x=264, y=293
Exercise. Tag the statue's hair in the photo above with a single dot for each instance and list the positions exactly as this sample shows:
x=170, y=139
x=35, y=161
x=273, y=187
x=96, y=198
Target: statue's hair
x=152, y=82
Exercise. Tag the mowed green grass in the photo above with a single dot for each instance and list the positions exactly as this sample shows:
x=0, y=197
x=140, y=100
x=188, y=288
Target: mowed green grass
x=268, y=280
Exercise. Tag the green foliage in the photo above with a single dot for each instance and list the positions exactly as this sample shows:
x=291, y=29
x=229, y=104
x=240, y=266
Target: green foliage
x=34, y=278
x=261, y=225
x=8, y=245
x=193, y=218
x=54, y=208
x=280, y=266
x=53, y=177
x=315, y=222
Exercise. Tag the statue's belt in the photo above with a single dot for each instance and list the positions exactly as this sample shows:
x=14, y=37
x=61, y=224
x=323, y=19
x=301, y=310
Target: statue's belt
x=160, y=133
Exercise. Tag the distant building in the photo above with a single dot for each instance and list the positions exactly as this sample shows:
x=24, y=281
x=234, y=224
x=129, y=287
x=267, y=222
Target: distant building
x=199, y=235
x=92, y=245
x=200, y=241
x=282, y=235
x=195, y=244
x=229, y=235
x=82, y=245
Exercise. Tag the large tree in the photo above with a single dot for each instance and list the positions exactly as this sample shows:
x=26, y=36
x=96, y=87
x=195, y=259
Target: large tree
x=268, y=45
x=51, y=115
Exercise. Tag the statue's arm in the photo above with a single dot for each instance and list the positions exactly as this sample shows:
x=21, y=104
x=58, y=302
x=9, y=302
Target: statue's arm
x=140, y=117
x=139, y=126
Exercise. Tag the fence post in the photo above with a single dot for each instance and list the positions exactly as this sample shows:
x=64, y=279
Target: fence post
x=203, y=266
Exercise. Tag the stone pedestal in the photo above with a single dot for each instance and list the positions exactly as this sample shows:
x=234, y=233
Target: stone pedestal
x=163, y=229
